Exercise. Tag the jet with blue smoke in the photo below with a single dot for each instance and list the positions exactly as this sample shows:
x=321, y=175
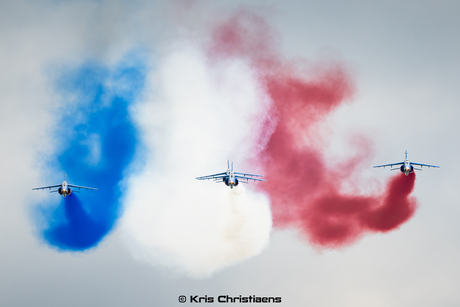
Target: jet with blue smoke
x=98, y=143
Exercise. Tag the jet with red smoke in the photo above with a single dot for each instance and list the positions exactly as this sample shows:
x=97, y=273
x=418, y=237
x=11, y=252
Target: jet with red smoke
x=406, y=166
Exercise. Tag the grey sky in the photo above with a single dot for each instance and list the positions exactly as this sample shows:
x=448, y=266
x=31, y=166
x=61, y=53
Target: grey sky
x=404, y=57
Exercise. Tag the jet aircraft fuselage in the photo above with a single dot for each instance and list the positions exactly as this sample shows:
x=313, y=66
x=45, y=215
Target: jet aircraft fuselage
x=64, y=189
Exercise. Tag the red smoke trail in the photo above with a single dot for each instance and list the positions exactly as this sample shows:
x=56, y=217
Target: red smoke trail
x=304, y=193
x=333, y=220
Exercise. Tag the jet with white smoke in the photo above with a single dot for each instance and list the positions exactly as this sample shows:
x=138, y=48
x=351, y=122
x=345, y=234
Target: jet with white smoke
x=199, y=115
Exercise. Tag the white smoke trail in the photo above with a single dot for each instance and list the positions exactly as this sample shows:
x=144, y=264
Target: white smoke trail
x=199, y=116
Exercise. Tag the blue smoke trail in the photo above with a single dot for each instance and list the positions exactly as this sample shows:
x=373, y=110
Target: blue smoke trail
x=96, y=152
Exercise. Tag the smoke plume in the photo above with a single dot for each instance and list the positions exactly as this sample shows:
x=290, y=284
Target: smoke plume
x=305, y=192
x=199, y=115
x=98, y=142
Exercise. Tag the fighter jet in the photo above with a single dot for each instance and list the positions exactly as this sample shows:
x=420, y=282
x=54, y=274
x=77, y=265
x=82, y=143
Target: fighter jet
x=406, y=166
x=231, y=178
x=64, y=188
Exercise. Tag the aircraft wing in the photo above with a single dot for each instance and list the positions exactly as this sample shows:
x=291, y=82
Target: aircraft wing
x=80, y=187
x=250, y=178
x=427, y=165
x=48, y=187
x=392, y=164
x=209, y=177
x=248, y=174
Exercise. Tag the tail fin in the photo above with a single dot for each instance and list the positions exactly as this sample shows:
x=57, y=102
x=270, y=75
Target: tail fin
x=406, y=154
x=232, y=166
x=228, y=164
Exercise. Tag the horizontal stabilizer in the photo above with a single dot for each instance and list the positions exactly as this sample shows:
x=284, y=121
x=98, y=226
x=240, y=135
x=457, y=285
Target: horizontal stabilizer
x=244, y=174
x=48, y=187
x=390, y=165
x=216, y=176
x=80, y=187
x=422, y=165
x=249, y=178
